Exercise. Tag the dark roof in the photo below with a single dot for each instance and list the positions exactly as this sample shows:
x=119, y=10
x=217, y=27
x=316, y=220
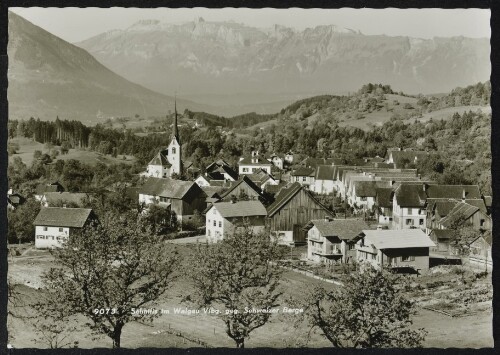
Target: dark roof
x=246, y=180
x=443, y=233
x=324, y=172
x=345, y=229
x=52, y=187
x=365, y=188
x=211, y=191
x=461, y=210
x=286, y=194
x=410, y=195
x=62, y=217
x=399, y=156
x=274, y=189
x=248, y=161
x=453, y=191
x=160, y=159
x=303, y=171
x=384, y=196
x=65, y=197
x=240, y=209
x=442, y=207
x=166, y=187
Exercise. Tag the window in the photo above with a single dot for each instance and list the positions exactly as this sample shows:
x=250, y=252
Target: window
x=163, y=199
x=410, y=211
x=209, y=232
x=44, y=229
x=173, y=150
x=245, y=170
x=481, y=223
x=304, y=178
x=421, y=221
x=363, y=198
x=220, y=223
x=350, y=246
x=215, y=223
x=409, y=222
x=60, y=229
x=407, y=258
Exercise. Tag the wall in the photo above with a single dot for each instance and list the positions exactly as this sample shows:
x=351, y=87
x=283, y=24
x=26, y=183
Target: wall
x=324, y=186
x=253, y=168
x=50, y=237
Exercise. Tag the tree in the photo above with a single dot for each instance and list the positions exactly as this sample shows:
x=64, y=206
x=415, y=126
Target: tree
x=105, y=272
x=161, y=219
x=20, y=221
x=369, y=311
x=238, y=273
x=65, y=147
x=37, y=154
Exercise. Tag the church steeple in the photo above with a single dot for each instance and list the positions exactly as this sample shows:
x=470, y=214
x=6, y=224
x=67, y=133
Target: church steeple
x=176, y=129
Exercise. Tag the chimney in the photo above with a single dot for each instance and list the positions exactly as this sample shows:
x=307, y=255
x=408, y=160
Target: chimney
x=463, y=195
x=424, y=187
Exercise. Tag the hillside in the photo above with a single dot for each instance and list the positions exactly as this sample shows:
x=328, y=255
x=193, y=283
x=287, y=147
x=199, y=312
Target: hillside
x=232, y=59
x=49, y=77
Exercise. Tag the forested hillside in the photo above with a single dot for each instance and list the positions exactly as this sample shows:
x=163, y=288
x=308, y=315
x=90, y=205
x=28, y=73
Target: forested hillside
x=461, y=142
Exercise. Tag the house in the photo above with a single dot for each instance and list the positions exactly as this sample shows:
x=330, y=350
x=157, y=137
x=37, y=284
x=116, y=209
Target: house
x=14, y=199
x=43, y=188
x=220, y=170
x=225, y=217
x=465, y=213
x=277, y=160
x=244, y=188
x=54, y=225
x=332, y=241
x=408, y=206
x=168, y=161
x=403, y=157
x=292, y=209
x=364, y=193
x=63, y=199
x=324, y=181
x=182, y=197
x=383, y=202
x=442, y=239
x=289, y=157
x=253, y=163
x=304, y=176
x=395, y=249
x=480, y=251
x=262, y=179
x=202, y=181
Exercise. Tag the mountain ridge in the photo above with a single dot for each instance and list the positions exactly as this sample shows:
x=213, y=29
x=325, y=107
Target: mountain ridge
x=225, y=57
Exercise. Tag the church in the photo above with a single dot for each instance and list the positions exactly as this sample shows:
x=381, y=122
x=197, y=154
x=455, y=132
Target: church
x=168, y=161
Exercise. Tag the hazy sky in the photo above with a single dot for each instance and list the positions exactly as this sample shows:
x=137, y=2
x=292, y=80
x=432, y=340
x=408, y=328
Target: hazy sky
x=76, y=24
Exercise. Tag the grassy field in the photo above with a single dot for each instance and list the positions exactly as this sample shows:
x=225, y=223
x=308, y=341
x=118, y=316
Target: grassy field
x=27, y=147
x=176, y=330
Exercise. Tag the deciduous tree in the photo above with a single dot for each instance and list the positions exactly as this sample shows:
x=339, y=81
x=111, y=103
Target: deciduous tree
x=239, y=272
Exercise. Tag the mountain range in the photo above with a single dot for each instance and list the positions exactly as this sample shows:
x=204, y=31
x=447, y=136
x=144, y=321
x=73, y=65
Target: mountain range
x=49, y=77
x=228, y=58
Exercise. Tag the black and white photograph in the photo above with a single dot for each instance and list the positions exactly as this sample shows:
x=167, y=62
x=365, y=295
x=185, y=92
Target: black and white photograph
x=249, y=178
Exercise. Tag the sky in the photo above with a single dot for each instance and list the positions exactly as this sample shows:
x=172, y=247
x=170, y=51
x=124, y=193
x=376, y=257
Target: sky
x=77, y=24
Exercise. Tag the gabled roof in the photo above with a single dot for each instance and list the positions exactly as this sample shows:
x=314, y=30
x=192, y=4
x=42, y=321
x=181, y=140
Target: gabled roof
x=399, y=156
x=241, y=180
x=410, y=195
x=396, y=239
x=65, y=197
x=248, y=160
x=461, y=211
x=240, y=209
x=443, y=233
x=325, y=172
x=274, y=189
x=366, y=188
x=160, y=159
x=453, y=191
x=344, y=229
x=169, y=188
x=286, y=194
x=52, y=187
x=384, y=196
x=303, y=171
x=62, y=217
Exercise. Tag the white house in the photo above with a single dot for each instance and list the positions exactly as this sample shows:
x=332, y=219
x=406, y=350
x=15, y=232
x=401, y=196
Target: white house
x=324, y=182
x=332, y=241
x=253, y=163
x=224, y=217
x=54, y=225
x=304, y=176
x=276, y=160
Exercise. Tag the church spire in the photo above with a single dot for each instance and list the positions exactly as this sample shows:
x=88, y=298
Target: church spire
x=176, y=129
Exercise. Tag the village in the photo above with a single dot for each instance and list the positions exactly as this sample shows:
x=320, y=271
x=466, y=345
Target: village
x=388, y=216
